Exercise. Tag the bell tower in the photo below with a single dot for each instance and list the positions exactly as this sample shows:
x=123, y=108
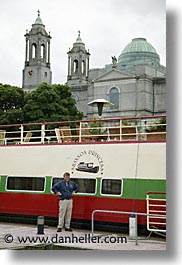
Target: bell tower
x=37, y=56
x=78, y=63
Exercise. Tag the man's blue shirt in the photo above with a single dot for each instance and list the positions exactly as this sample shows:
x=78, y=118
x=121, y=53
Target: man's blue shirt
x=65, y=188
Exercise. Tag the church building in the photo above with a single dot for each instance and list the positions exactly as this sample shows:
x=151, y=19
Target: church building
x=134, y=82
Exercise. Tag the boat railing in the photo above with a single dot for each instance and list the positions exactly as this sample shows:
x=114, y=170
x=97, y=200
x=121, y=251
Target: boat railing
x=156, y=205
x=150, y=128
x=129, y=214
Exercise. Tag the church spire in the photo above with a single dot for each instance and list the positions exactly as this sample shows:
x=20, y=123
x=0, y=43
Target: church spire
x=78, y=62
x=79, y=40
x=37, y=56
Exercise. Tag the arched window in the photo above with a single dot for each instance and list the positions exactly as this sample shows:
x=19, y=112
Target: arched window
x=42, y=54
x=34, y=47
x=69, y=66
x=75, y=66
x=47, y=52
x=114, y=98
x=83, y=67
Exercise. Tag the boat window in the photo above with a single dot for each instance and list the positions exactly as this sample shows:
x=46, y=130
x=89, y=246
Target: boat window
x=85, y=185
x=25, y=183
x=111, y=186
x=56, y=180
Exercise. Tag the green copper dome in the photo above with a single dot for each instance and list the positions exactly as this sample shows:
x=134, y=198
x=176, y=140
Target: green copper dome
x=139, y=45
x=38, y=20
x=138, y=51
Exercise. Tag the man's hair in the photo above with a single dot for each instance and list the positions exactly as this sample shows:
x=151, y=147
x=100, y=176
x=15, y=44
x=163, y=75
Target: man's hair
x=66, y=174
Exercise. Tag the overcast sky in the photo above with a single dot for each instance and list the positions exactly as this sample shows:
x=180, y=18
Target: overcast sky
x=106, y=26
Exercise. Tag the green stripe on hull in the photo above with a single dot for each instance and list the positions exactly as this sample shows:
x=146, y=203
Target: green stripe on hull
x=2, y=183
x=138, y=188
x=131, y=188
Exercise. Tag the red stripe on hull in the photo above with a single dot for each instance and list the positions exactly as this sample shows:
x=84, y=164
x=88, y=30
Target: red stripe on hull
x=47, y=205
x=87, y=143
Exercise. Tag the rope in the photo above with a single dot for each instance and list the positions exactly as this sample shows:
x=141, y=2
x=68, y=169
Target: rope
x=136, y=171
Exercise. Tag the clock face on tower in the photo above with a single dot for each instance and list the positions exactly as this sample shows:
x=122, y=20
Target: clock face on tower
x=30, y=73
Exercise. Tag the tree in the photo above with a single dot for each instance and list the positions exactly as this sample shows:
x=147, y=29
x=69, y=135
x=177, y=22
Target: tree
x=11, y=104
x=50, y=103
x=46, y=103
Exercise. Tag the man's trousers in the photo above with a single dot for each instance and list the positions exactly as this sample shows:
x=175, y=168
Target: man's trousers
x=65, y=212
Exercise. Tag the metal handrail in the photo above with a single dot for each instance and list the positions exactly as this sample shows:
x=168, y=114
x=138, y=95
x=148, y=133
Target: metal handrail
x=121, y=212
x=107, y=132
x=158, y=206
x=78, y=121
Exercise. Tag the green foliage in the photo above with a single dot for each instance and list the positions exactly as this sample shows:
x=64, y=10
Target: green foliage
x=125, y=123
x=96, y=127
x=11, y=104
x=162, y=123
x=50, y=103
x=46, y=103
x=159, y=125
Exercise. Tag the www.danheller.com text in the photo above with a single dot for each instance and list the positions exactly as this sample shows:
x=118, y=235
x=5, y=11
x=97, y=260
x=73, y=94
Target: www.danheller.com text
x=57, y=239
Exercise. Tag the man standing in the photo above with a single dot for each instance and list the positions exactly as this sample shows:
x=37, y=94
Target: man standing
x=65, y=189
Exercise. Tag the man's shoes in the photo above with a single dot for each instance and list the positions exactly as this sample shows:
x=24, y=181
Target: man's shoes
x=68, y=229
x=59, y=230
